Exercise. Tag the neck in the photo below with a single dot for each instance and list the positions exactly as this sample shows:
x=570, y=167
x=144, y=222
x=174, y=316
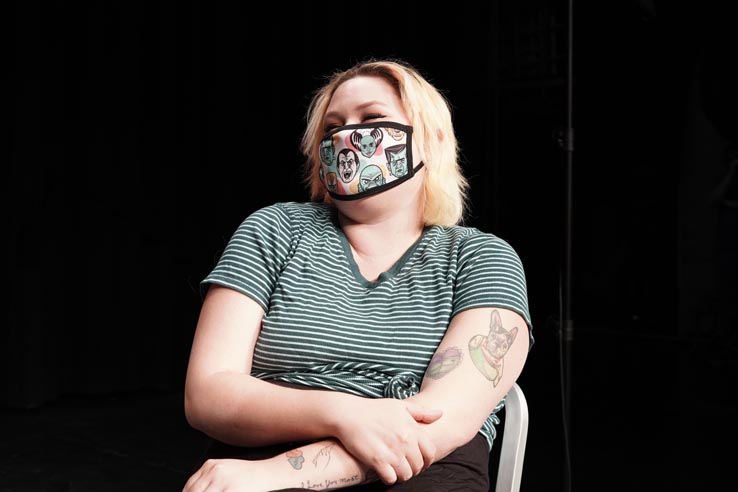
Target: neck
x=376, y=246
x=382, y=227
x=387, y=236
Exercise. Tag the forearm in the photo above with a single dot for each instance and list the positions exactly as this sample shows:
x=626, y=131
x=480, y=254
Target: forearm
x=322, y=465
x=244, y=411
x=454, y=429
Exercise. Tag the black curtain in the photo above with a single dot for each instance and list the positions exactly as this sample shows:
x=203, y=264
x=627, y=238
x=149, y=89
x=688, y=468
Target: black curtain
x=142, y=133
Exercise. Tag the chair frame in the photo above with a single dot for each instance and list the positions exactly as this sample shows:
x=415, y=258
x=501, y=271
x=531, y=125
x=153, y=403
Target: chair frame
x=514, y=437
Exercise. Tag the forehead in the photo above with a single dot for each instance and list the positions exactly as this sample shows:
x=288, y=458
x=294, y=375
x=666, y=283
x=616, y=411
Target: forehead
x=364, y=91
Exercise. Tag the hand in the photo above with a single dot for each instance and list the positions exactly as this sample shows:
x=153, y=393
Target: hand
x=217, y=475
x=386, y=434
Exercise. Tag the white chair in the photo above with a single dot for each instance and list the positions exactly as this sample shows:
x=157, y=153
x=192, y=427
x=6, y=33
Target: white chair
x=514, y=436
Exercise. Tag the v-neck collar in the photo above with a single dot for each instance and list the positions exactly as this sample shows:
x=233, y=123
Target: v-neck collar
x=384, y=276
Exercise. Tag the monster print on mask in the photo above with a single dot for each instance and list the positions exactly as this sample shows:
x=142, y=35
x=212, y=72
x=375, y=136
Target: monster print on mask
x=348, y=164
x=367, y=143
x=395, y=133
x=371, y=177
x=396, y=160
x=363, y=166
x=327, y=151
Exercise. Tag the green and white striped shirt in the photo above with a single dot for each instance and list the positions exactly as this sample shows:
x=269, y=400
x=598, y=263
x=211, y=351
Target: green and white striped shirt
x=326, y=326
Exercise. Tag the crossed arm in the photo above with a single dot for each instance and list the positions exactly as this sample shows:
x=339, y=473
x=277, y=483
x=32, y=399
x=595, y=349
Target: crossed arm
x=352, y=439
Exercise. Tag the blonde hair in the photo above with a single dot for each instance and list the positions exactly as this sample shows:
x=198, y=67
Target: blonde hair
x=429, y=112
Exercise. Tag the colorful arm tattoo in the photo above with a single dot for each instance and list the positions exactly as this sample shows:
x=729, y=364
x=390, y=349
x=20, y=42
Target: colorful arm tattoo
x=487, y=352
x=444, y=362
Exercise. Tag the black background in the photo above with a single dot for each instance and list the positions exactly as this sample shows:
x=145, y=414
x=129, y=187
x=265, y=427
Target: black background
x=141, y=134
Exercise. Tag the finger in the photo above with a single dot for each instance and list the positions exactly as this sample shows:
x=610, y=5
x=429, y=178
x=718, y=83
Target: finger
x=416, y=462
x=423, y=414
x=190, y=484
x=200, y=481
x=386, y=473
x=428, y=450
x=201, y=485
x=404, y=471
x=204, y=485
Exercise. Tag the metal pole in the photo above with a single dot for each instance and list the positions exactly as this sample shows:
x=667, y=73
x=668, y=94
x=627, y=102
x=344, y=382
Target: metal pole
x=567, y=320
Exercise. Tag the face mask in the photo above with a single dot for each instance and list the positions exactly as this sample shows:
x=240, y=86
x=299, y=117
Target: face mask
x=365, y=159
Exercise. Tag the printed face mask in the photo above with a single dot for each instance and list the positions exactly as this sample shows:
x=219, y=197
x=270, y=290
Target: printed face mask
x=365, y=159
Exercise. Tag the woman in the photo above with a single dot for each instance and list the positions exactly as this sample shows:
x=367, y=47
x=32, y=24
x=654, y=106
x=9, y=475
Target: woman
x=365, y=339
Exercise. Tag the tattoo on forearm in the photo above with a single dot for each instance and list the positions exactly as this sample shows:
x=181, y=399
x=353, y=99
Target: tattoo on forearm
x=295, y=458
x=444, y=362
x=330, y=483
x=323, y=457
x=487, y=352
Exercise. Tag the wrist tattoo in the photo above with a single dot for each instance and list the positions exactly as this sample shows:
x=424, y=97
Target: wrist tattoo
x=295, y=458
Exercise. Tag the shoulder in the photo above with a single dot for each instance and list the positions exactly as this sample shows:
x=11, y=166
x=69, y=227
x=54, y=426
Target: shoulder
x=471, y=240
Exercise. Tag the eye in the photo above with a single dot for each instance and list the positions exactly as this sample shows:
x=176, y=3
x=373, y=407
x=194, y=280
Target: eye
x=330, y=127
x=374, y=116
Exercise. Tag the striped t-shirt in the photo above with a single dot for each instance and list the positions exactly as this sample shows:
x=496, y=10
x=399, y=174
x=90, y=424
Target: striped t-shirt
x=326, y=326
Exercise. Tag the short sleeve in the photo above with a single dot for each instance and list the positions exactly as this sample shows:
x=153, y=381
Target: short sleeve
x=491, y=274
x=254, y=256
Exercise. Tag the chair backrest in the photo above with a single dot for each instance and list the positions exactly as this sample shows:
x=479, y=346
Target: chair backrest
x=514, y=436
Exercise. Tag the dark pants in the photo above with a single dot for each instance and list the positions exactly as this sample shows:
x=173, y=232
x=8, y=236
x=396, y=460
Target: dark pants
x=464, y=470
